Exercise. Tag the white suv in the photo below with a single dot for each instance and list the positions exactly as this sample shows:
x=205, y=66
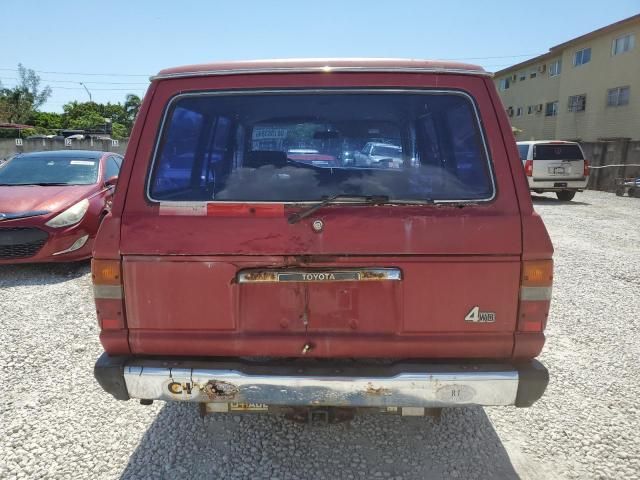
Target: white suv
x=554, y=166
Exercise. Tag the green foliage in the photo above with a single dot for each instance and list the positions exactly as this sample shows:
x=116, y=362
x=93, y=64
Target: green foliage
x=87, y=121
x=21, y=104
x=18, y=104
x=30, y=82
x=119, y=131
x=91, y=115
x=46, y=120
x=132, y=106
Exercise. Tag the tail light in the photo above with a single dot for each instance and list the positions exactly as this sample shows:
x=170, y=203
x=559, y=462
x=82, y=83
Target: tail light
x=535, y=295
x=107, y=292
x=528, y=168
x=586, y=168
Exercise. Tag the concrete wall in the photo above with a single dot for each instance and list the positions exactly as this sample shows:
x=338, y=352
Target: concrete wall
x=605, y=157
x=8, y=146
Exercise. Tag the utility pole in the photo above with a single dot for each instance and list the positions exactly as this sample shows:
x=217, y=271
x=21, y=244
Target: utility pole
x=85, y=87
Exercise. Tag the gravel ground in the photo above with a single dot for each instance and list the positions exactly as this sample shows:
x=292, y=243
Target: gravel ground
x=55, y=422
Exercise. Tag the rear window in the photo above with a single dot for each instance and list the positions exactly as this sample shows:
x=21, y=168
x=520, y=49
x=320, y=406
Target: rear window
x=296, y=147
x=557, y=152
x=523, y=150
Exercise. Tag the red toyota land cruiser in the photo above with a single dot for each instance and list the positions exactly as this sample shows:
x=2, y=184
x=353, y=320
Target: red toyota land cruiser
x=237, y=275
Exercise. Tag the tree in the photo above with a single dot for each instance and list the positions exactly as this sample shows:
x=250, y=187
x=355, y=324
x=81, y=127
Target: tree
x=46, y=120
x=119, y=131
x=29, y=81
x=18, y=104
x=91, y=115
x=132, y=106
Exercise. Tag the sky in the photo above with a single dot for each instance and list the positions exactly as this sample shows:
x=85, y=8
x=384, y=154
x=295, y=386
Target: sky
x=113, y=46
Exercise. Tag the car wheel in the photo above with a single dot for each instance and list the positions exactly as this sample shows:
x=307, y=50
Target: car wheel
x=565, y=195
x=620, y=191
x=634, y=192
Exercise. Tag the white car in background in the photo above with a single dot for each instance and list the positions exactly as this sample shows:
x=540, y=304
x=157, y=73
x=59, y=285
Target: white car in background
x=375, y=154
x=554, y=166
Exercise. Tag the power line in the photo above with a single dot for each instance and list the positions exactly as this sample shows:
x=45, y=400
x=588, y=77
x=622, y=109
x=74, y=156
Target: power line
x=75, y=81
x=80, y=73
x=57, y=87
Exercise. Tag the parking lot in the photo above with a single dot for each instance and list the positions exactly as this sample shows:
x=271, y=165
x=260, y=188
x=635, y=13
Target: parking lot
x=55, y=421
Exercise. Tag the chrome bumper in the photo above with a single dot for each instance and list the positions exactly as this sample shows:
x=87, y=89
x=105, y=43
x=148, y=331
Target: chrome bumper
x=398, y=385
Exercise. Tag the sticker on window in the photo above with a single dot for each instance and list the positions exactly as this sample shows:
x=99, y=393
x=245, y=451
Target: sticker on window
x=81, y=162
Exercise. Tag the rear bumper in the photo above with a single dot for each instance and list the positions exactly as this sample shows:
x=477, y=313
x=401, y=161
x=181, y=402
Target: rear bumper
x=557, y=184
x=430, y=385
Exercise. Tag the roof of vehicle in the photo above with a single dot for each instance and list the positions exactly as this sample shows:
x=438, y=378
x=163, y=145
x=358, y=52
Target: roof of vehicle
x=93, y=154
x=536, y=142
x=326, y=65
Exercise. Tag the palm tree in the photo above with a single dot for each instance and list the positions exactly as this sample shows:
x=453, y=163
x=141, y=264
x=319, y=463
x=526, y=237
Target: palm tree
x=131, y=107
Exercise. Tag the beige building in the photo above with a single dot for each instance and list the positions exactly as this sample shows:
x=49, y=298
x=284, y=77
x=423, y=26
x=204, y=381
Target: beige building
x=586, y=89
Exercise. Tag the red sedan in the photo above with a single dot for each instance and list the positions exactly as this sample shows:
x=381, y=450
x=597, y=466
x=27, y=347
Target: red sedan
x=52, y=203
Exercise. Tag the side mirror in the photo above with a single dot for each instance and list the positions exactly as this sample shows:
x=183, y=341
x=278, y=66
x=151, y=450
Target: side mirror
x=111, y=181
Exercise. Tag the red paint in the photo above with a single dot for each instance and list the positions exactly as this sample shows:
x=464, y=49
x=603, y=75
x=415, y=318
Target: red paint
x=244, y=210
x=179, y=272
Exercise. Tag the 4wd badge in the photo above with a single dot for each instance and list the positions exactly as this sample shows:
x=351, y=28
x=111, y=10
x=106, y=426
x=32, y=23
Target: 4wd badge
x=476, y=316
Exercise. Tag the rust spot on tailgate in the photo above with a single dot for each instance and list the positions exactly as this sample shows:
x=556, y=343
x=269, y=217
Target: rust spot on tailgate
x=372, y=275
x=260, y=277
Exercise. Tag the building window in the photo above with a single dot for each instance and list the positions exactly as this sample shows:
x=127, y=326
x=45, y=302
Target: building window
x=618, y=96
x=522, y=76
x=530, y=109
x=519, y=111
x=577, y=103
x=510, y=111
x=581, y=57
x=504, y=83
x=555, y=68
x=551, y=109
x=623, y=44
x=533, y=73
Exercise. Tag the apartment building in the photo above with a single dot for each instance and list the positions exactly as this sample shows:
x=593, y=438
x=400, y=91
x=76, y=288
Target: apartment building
x=585, y=89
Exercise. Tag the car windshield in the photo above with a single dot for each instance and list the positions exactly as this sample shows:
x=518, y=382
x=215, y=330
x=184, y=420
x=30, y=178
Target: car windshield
x=297, y=147
x=49, y=170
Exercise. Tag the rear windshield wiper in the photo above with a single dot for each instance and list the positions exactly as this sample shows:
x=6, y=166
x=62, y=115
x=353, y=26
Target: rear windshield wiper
x=339, y=198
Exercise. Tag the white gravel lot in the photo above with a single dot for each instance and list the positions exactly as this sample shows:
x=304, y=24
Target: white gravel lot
x=55, y=422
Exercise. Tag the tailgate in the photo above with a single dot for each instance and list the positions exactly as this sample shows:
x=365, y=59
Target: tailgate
x=415, y=302
x=558, y=162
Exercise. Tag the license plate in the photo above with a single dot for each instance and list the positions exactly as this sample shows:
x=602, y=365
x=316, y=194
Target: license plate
x=557, y=170
x=248, y=407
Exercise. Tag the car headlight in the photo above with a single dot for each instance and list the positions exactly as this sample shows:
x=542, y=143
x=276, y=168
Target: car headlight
x=71, y=215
